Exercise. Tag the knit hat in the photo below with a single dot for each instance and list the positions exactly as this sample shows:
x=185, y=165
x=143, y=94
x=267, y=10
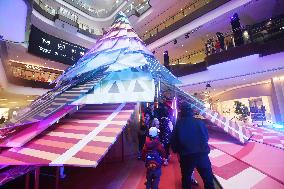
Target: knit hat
x=185, y=109
x=153, y=132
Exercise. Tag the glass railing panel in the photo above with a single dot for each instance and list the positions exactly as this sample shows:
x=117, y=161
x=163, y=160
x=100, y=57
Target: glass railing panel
x=178, y=17
x=187, y=10
x=190, y=58
x=161, y=27
x=258, y=33
x=68, y=14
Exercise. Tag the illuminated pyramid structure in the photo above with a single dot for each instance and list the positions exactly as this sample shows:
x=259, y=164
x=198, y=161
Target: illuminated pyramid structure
x=119, y=68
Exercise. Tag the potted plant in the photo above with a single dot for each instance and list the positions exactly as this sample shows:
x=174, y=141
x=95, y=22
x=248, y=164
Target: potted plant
x=242, y=111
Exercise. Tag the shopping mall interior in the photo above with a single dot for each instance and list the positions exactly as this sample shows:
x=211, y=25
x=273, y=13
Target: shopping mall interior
x=78, y=77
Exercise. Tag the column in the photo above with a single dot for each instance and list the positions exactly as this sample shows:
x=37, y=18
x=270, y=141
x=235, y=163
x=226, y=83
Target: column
x=278, y=98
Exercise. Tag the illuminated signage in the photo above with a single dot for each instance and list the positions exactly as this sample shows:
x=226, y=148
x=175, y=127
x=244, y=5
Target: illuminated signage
x=53, y=48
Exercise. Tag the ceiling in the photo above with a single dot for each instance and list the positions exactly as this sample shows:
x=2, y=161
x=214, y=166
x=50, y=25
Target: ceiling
x=19, y=53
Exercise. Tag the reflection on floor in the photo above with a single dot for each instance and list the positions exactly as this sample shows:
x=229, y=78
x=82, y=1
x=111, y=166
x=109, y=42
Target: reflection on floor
x=126, y=175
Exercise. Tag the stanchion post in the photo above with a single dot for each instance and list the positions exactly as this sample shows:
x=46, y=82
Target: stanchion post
x=37, y=173
x=57, y=178
x=27, y=181
x=122, y=146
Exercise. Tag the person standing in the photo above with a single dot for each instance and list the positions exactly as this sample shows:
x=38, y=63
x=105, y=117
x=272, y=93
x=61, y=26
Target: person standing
x=2, y=120
x=190, y=141
x=165, y=128
x=143, y=131
x=153, y=155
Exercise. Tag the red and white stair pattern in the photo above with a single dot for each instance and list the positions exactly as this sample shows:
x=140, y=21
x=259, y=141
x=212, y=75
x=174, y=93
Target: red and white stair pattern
x=81, y=140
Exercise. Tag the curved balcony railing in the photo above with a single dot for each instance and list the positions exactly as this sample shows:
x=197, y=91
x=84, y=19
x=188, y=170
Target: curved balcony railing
x=134, y=7
x=187, y=10
x=26, y=75
x=262, y=38
x=52, y=13
x=253, y=40
x=194, y=57
x=92, y=11
x=185, y=16
x=137, y=8
x=180, y=70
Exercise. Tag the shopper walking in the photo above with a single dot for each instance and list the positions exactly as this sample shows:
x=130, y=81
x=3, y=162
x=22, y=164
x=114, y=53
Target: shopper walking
x=190, y=141
x=143, y=131
x=165, y=128
x=153, y=155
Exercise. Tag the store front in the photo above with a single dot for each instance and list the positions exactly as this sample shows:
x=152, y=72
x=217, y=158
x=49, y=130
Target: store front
x=259, y=110
x=4, y=112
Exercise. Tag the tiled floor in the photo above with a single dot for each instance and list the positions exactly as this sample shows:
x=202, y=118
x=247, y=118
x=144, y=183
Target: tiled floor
x=268, y=136
x=253, y=165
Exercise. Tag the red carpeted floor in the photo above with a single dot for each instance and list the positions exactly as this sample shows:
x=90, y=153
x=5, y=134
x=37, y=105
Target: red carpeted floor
x=122, y=175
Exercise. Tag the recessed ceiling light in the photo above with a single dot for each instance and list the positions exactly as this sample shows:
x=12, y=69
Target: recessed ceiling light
x=12, y=102
x=3, y=99
x=30, y=100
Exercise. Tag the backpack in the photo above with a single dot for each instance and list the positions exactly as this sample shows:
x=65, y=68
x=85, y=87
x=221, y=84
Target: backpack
x=153, y=160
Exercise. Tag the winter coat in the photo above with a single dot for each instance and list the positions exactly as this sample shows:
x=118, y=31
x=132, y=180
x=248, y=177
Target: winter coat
x=153, y=144
x=190, y=136
x=165, y=128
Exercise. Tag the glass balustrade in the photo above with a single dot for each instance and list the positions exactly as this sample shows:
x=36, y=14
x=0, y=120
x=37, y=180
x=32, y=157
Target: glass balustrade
x=187, y=10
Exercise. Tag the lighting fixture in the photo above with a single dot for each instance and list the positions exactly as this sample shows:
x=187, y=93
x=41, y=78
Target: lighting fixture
x=277, y=126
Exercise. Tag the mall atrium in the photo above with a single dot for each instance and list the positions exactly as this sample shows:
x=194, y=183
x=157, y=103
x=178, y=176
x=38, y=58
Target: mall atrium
x=78, y=79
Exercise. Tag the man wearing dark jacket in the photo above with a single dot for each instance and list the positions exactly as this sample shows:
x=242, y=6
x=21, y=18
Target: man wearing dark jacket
x=190, y=141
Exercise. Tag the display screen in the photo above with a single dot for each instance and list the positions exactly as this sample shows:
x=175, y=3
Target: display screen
x=53, y=48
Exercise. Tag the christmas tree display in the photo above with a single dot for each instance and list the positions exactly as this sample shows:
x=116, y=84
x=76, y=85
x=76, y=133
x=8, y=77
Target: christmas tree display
x=119, y=63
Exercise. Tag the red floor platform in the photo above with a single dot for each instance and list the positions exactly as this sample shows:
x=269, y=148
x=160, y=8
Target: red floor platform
x=124, y=175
